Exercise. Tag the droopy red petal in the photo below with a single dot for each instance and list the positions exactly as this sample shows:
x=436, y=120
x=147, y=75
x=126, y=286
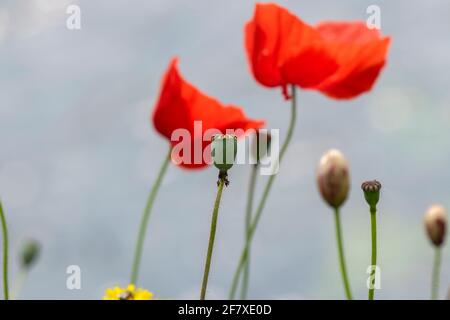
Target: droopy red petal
x=180, y=104
x=282, y=49
x=361, y=54
x=342, y=60
x=171, y=111
x=261, y=42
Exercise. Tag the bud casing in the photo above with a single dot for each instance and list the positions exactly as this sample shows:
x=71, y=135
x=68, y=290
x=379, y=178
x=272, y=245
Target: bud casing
x=30, y=253
x=436, y=224
x=333, y=178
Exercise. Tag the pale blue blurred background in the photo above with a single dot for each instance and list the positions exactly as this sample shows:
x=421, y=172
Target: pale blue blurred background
x=78, y=153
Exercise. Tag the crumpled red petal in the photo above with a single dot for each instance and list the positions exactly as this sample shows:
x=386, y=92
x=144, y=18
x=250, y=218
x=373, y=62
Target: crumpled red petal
x=361, y=54
x=180, y=104
x=282, y=49
x=340, y=59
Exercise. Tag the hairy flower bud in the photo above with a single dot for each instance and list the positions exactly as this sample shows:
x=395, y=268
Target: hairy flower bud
x=30, y=253
x=223, y=151
x=436, y=223
x=333, y=178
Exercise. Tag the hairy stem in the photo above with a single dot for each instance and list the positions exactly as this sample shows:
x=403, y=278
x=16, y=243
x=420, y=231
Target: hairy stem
x=5, y=253
x=436, y=272
x=373, y=222
x=259, y=210
x=212, y=236
x=145, y=218
x=248, y=219
x=339, y=240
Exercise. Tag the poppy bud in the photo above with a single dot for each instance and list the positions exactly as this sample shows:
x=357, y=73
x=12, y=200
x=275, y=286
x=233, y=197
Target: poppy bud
x=333, y=178
x=261, y=145
x=30, y=253
x=223, y=151
x=435, y=224
x=371, y=192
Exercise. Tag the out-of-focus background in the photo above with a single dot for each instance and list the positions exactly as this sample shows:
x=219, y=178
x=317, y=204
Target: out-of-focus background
x=78, y=153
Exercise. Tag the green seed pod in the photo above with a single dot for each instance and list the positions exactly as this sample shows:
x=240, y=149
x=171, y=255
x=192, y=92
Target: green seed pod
x=223, y=151
x=371, y=192
x=30, y=253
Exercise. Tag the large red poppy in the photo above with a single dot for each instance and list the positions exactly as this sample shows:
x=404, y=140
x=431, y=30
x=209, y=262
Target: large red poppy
x=340, y=59
x=180, y=105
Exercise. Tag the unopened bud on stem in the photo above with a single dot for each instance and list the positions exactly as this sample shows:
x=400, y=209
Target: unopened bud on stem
x=261, y=145
x=30, y=253
x=333, y=178
x=436, y=224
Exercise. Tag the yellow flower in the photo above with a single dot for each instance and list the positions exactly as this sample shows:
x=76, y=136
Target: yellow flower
x=128, y=293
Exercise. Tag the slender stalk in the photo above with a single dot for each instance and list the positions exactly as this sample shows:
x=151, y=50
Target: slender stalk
x=348, y=293
x=259, y=210
x=373, y=222
x=248, y=219
x=145, y=218
x=5, y=253
x=18, y=284
x=212, y=236
x=436, y=272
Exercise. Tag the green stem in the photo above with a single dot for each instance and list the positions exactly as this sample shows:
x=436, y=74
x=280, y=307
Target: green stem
x=212, y=236
x=18, y=284
x=373, y=222
x=436, y=271
x=248, y=219
x=341, y=254
x=145, y=217
x=5, y=253
x=257, y=216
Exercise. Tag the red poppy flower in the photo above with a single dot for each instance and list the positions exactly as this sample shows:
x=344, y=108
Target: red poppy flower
x=340, y=59
x=181, y=106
